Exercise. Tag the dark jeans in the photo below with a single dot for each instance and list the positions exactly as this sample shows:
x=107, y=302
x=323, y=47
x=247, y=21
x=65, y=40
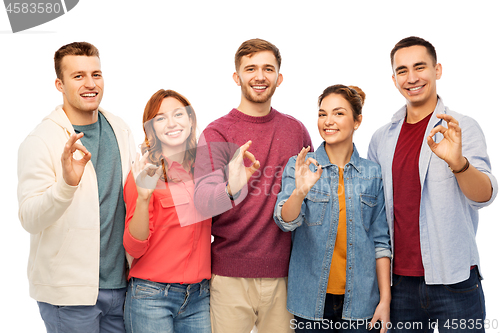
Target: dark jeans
x=420, y=307
x=332, y=320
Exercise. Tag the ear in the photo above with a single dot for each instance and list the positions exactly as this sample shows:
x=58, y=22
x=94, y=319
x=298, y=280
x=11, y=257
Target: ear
x=236, y=78
x=439, y=71
x=280, y=79
x=394, y=80
x=59, y=84
x=358, y=121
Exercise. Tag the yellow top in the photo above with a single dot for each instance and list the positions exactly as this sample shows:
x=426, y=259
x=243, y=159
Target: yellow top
x=336, y=281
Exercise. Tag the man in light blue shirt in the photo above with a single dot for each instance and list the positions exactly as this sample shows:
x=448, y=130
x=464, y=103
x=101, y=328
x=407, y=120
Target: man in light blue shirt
x=437, y=175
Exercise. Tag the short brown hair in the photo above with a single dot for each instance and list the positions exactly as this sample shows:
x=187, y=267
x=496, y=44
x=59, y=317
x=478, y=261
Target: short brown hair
x=352, y=94
x=255, y=45
x=77, y=49
x=412, y=41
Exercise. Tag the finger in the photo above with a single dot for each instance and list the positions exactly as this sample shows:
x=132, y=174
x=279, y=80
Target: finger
x=245, y=147
x=431, y=143
x=313, y=161
x=447, y=118
x=438, y=129
x=250, y=156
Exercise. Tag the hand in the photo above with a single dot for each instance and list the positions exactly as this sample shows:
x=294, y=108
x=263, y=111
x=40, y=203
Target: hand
x=450, y=148
x=146, y=175
x=73, y=168
x=382, y=314
x=304, y=177
x=239, y=175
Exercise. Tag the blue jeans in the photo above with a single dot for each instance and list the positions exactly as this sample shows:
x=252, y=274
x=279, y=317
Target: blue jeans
x=332, y=320
x=419, y=307
x=167, y=307
x=106, y=316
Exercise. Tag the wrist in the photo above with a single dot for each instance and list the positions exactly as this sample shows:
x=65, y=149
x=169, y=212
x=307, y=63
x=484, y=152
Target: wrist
x=460, y=167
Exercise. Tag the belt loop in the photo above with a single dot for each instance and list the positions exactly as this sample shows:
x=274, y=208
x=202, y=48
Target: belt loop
x=167, y=287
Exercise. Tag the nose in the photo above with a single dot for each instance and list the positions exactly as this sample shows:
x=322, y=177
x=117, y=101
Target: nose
x=89, y=82
x=259, y=75
x=170, y=122
x=412, y=76
x=330, y=120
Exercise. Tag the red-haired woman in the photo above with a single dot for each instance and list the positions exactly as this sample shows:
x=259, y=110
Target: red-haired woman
x=170, y=242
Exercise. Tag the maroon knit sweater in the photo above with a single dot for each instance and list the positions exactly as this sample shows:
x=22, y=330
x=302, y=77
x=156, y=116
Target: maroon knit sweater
x=247, y=242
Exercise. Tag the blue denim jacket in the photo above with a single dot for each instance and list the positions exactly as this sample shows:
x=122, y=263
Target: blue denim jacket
x=315, y=231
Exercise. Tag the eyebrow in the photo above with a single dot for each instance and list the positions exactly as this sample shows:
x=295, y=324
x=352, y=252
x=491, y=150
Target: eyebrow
x=255, y=65
x=336, y=109
x=414, y=65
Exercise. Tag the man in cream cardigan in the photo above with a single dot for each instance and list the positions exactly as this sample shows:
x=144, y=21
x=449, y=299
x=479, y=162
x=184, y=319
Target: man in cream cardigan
x=71, y=171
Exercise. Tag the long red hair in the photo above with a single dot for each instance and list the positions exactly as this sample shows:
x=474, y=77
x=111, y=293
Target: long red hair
x=151, y=142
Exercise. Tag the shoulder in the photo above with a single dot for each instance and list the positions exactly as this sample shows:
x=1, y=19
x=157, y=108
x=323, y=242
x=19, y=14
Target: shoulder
x=370, y=168
x=282, y=117
x=114, y=120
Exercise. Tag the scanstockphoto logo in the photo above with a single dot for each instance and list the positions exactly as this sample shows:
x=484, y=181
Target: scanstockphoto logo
x=27, y=14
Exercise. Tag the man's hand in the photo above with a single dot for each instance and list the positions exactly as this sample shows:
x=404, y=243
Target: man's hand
x=450, y=148
x=73, y=168
x=239, y=175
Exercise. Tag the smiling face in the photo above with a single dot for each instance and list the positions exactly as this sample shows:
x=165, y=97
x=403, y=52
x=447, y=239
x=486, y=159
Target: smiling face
x=336, y=122
x=172, y=126
x=82, y=86
x=258, y=77
x=415, y=76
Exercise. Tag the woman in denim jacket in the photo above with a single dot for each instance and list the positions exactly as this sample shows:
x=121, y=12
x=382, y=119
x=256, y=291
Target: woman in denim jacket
x=333, y=201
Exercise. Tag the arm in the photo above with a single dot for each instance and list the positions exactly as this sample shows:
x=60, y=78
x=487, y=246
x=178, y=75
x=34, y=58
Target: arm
x=138, y=225
x=382, y=312
x=304, y=181
x=219, y=171
x=43, y=194
x=475, y=185
x=380, y=233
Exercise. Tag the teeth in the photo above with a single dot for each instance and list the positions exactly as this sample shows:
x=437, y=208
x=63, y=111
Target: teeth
x=416, y=88
x=259, y=87
x=89, y=95
x=174, y=133
x=330, y=130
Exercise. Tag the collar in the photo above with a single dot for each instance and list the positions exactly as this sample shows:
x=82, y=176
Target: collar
x=401, y=113
x=322, y=158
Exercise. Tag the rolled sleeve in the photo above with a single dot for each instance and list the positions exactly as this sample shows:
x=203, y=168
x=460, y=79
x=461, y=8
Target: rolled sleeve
x=286, y=226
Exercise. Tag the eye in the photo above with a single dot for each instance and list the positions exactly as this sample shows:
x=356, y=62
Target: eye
x=78, y=76
x=159, y=118
x=97, y=75
x=420, y=68
x=401, y=72
x=179, y=114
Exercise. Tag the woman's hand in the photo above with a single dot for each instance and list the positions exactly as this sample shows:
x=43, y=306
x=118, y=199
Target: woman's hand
x=382, y=314
x=304, y=177
x=146, y=176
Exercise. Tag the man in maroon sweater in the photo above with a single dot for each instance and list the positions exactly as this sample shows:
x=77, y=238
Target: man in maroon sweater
x=250, y=254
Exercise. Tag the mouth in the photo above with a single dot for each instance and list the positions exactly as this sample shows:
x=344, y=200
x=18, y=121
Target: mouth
x=415, y=90
x=89, y=95
x=330, y=131
x=259, y=88
x=173, y=133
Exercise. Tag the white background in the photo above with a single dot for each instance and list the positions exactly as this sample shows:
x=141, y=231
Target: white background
x=189, y=46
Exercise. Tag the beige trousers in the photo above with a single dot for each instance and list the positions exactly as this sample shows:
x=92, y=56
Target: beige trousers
x=237, y=304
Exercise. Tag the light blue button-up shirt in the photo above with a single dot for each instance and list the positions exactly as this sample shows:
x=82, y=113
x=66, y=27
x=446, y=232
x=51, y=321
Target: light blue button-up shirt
x=315, y=232
x=448, y=219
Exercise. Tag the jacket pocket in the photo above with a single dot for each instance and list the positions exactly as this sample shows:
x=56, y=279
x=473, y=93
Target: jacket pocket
x=368, y=205
x=316, y=206
x=77, y=261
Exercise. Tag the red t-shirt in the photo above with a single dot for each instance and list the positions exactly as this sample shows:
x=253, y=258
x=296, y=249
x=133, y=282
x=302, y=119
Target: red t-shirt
x=406, y=193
